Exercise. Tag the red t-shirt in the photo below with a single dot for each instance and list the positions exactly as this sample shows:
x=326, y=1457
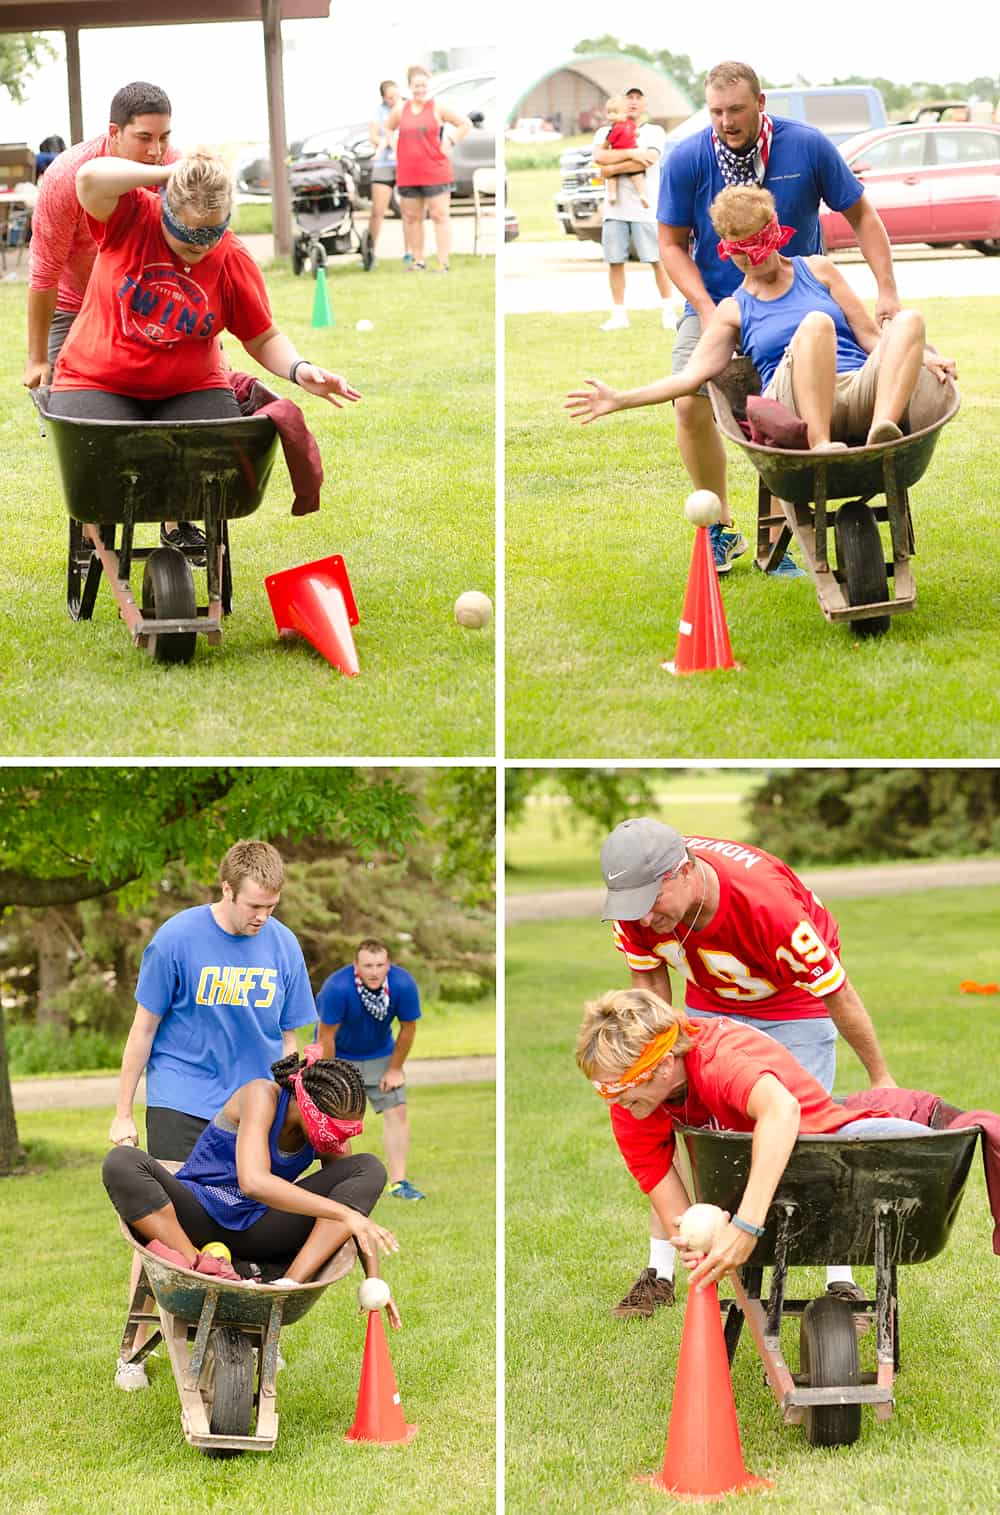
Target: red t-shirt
x=621, y=135
x=150, y=324
x=725, y=1062
x=62, y=244
x=420, y=158
x=769, y=951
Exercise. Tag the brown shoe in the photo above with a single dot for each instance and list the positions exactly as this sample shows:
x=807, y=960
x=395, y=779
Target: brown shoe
x=647, y=1294
x=855, y=1295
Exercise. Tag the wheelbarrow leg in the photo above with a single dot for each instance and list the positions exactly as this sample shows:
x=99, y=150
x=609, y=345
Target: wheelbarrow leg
x=141, y=1313
x=886, y=1323
x=770, y=554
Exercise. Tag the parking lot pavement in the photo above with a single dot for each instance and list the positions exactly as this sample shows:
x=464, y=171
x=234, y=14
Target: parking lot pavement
x=570, y=277
x=390, y=241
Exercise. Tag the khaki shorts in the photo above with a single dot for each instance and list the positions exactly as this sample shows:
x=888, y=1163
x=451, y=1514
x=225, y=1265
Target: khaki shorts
x=853, y=396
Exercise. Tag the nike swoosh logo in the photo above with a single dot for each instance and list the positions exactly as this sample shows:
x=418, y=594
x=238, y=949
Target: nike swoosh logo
x=617, y=875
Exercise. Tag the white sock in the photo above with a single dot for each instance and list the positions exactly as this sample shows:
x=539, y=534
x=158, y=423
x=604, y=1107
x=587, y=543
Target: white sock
x=839, y=1276
x=661, y=1256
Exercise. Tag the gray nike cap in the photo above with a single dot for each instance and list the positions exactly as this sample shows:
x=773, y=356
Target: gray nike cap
x=634, y=859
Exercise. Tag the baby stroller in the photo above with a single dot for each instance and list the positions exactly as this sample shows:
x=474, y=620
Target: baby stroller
x=324, y=198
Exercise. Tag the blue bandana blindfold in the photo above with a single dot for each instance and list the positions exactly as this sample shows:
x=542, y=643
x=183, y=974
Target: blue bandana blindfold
x=193, y=236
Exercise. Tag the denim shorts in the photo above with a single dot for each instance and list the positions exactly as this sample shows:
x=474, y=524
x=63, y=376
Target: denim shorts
x=423, y=191
x=616, y=236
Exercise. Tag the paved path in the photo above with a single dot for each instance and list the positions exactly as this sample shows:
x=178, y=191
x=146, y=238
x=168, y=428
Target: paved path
x=569, y=276
x=84, y=1093
x=829, y=884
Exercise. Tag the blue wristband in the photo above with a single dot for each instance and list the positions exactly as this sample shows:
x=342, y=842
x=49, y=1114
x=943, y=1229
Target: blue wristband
x=744, y=1225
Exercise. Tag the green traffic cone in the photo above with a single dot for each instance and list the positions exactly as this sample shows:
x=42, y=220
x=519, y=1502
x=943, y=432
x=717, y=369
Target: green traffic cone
x=322, y=314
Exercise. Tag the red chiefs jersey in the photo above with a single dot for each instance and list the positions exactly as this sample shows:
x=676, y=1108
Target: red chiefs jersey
x=722, y=1068
x=150, y=324
x=770, y=951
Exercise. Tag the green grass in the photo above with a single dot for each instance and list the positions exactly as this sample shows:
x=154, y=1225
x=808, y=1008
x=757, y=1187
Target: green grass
x=75, y=1445
x=531, y=195
x=597, y=562
x=548, y=847
x=588, y=1397
x=252, y=220
x=408, y=501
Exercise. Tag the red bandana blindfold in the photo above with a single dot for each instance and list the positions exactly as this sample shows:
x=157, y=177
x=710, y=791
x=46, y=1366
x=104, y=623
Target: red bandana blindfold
x=328, y=1135
x=761, y=245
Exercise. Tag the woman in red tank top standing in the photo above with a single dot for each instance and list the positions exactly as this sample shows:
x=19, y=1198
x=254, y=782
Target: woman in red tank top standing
x=423, y=167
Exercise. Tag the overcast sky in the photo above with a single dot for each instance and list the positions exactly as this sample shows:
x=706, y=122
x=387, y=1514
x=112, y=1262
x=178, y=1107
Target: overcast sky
x=897, y=39
x=214, y=74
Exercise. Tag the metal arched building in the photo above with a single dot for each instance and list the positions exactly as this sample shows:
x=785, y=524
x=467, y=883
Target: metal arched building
x=573, y=93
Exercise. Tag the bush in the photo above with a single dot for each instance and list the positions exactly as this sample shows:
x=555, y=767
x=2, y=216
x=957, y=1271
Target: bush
x=45, y=1049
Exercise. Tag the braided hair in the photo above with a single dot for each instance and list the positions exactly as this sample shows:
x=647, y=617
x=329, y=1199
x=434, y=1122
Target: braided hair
x=335, y=1087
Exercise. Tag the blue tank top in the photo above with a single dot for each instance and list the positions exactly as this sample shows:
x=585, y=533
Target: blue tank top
x=767, y=326
x=210, y=1171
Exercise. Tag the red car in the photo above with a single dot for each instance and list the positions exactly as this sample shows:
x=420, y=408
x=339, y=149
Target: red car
x=933, y=182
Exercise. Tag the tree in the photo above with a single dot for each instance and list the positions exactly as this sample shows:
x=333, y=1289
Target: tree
x=71, y=834
x=598, y=797
x=21, y=54
x=677, y=66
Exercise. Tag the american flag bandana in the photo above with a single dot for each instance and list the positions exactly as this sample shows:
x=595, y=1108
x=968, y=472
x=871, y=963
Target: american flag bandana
x=375, y=1001
x=747, y=167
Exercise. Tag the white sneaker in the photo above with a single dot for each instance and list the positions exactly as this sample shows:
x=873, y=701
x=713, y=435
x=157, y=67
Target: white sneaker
x=617, y=321
x=130, y=1375
x=667, y=318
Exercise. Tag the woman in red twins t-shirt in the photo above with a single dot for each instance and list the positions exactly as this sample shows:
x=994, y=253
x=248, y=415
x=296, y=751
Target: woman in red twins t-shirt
x=169, y=278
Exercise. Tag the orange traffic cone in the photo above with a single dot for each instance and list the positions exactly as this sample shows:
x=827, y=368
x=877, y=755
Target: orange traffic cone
x=703, y=1458
x=703, y=637
x=379, y=1415
x=316, y=601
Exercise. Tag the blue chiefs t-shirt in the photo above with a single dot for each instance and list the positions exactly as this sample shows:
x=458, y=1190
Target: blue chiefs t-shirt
x=361, y=1036
x=804, y=168
x=223, y=1001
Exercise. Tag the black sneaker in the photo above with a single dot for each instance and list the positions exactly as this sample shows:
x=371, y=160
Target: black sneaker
x=189, y=538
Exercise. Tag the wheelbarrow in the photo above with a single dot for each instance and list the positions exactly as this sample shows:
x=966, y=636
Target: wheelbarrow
x=886, y=1202
x=796, y=489
x=222, y=1340
x=122, y=473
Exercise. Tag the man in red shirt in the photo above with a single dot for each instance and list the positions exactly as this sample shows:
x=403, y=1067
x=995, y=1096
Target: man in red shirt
x=654, y=1066
x=752, y=942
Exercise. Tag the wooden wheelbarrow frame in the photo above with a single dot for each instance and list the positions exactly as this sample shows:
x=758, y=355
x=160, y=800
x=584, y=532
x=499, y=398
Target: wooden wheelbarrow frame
x=182, y=1308
x=796, y=489
x=881, y=1203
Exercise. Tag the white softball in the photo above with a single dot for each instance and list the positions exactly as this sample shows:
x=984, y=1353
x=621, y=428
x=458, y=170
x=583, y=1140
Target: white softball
x=373, y=1294
x=363, y=325
x=699, y=1225
x=473, y=609
x=703, y=508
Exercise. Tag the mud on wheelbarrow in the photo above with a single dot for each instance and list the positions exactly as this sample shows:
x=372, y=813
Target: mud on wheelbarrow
x=885, y=1203
x=222, y=1339
x=796, y=489
x=120, y=474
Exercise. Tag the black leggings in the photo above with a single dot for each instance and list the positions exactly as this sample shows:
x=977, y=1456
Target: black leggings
x=138, y=1185
x=101, y=405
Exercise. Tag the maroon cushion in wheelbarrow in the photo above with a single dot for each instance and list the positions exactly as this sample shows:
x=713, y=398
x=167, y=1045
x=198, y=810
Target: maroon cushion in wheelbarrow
x=774, y=425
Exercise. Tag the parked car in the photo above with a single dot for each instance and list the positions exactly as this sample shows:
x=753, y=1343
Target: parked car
x=936, y=182
x=470, y=91
x=838, y=110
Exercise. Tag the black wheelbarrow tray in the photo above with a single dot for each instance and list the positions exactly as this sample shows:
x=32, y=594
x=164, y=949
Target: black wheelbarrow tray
x=796, y=489
x=886, y=1202
x=222, y=1339
x=123, y=473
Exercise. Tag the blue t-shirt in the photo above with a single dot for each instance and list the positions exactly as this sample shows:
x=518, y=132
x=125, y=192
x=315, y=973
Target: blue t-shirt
x=804, y=168
x=361, y=1036
x=767, y=326
x=223, y=1003
x=210, y=1171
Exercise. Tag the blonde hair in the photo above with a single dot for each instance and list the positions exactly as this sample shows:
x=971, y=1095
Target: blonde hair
x=414, y=69
x=252, y=860
x=740, y=210
x=620, y=1024
x=200, y=183
x=616, y=102
x=731, y=72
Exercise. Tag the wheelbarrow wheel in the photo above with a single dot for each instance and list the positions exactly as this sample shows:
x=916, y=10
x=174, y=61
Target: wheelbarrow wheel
x=167, y=595
x=861, y=564
x=828, y=1358
x=227, y=1387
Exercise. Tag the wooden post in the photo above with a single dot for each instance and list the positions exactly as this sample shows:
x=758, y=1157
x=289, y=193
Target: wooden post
x=281, y=206
x=72, y=35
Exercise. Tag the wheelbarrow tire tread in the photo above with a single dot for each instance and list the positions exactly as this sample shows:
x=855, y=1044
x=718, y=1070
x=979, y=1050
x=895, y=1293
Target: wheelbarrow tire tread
x=168, y=593
x=861, y=564
x=828, y=1356
x=229, y=1368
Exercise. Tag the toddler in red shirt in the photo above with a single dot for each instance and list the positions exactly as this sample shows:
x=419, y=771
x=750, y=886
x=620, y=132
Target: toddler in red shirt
x=622, y=135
